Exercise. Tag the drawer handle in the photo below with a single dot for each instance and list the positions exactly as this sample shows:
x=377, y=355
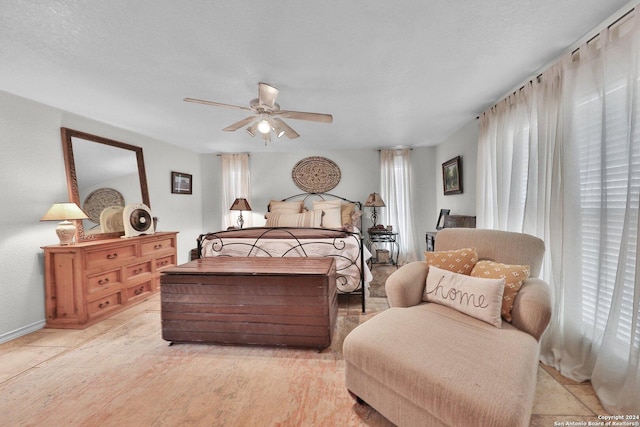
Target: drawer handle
x=139, y=290
x=158, y=246
x=163, y=263
x=112, y=256
x=138, y=270
x=103, y=304
x=103, y=281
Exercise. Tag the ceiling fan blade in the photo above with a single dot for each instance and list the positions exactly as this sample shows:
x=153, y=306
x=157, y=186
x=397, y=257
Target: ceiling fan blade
x=217, y=104
x=267, y=95
x=239, y=124
x=300, y=115
x=288, y=131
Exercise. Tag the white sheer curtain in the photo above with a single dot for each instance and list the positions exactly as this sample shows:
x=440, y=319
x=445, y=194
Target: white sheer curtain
x=395, y=189
x=561, y=160
x=236, y=182
x=599, y=338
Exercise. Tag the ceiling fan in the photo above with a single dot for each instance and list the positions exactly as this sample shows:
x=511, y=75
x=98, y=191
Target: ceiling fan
x=267, y=115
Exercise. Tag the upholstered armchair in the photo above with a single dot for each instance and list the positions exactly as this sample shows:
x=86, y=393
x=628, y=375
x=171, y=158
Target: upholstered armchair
x=424, y=363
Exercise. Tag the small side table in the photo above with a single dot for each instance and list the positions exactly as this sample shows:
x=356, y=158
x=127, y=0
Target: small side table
x=386, y=237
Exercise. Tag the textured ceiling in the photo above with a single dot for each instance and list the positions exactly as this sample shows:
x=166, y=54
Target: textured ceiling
x=392, y=73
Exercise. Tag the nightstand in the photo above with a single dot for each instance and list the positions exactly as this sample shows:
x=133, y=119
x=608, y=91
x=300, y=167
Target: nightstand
x=385, y=237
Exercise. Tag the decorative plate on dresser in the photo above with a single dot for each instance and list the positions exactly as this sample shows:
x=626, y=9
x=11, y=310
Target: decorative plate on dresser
x=100, y=199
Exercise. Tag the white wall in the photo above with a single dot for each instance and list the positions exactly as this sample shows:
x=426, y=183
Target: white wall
x=271, y=180
x=32, y=177
x=463, y=143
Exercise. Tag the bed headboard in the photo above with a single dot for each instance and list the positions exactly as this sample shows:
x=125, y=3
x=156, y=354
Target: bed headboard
x=308, y=198
x=324, y=210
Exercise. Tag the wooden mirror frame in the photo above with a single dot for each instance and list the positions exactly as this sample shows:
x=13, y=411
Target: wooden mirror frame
x=72, y=180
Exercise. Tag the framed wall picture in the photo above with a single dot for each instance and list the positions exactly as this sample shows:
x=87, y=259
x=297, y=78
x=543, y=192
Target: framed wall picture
x=452, y=176
x=181, y=183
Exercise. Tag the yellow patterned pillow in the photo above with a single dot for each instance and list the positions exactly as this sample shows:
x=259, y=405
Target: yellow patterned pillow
x=513, y=275
x=459, y=261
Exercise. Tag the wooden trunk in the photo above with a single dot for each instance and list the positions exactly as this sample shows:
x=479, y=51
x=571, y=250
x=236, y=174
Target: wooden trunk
x=255, y=301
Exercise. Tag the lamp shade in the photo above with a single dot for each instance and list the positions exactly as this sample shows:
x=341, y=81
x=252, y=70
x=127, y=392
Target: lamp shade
x=240, y=204
x=64, y=211
x=374, y=201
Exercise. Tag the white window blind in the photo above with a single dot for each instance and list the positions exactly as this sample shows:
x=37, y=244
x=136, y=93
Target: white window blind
x=609, y=168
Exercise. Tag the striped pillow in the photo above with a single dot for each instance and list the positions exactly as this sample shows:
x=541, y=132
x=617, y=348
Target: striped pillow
x=305, y=219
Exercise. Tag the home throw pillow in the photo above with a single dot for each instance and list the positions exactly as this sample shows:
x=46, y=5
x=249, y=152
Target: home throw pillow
x=513, y=275
x=476, y=297
x=459, y=261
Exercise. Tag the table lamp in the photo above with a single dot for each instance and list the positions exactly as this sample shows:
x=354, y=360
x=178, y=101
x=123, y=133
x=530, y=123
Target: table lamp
x=240, y=204
x=374, y=201
x=65, y=212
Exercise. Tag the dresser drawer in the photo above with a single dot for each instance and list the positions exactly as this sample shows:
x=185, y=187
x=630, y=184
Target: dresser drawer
x=149, y=248
x=103, y=281
x=141, y=289
x=112, y=256
x=138, y=269
x=165, y=261
x=105, y=304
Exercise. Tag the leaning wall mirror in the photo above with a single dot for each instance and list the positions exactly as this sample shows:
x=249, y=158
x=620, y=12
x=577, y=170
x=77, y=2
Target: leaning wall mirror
x=103, y=176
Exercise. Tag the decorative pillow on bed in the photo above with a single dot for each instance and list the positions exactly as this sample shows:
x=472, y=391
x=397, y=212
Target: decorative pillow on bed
x=346, y=210
x=305, y=219
x=474, y=296
x=276, y=206
x=513, y=275
x=332, y=217
x=459, y=260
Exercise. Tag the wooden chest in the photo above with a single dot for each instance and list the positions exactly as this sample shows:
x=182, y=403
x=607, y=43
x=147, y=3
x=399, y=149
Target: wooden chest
x=255, y=301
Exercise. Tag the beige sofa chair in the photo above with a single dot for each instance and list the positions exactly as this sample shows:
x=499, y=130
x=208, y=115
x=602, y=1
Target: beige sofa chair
x=424, y=364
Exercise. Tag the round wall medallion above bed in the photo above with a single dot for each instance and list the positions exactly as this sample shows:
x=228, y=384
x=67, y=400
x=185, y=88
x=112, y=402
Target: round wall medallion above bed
x=316, y=174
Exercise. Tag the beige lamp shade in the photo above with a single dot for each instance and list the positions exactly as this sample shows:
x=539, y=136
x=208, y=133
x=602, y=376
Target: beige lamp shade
x=65, y=212
x=374, y=201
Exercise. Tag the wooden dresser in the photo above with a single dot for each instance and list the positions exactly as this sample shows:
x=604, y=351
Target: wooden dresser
x=87, y=281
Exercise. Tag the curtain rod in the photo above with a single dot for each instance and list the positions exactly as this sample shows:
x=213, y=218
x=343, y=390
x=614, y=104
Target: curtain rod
x=222, y=154
x=615, y=18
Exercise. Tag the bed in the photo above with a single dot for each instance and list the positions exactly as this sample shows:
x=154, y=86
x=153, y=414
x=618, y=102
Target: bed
x=304, y=225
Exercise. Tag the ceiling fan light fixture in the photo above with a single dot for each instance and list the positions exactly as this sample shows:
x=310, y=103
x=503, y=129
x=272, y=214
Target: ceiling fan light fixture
x=264, y=126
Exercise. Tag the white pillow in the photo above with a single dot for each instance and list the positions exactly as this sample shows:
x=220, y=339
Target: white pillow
x=305, y=219
x=479, y=298
x=332, y=212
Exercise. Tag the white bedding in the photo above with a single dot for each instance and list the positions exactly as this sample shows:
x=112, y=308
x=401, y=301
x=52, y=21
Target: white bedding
x=344, y=250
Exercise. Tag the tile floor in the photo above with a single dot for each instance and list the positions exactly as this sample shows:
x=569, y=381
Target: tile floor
x=558, y=399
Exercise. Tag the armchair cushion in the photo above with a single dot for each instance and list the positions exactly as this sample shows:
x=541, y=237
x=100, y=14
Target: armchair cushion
x=513, y=275
x=478, y=297
x=459, y=261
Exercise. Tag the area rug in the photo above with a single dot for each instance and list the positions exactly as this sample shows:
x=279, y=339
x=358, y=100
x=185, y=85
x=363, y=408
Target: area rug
x=380, y=272
x=130, y=376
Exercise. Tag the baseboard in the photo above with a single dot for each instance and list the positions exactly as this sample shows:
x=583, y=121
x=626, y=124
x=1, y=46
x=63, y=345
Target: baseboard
x=36, y=326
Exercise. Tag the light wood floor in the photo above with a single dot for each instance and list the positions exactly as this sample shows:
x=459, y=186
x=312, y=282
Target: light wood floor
x=557, y=399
